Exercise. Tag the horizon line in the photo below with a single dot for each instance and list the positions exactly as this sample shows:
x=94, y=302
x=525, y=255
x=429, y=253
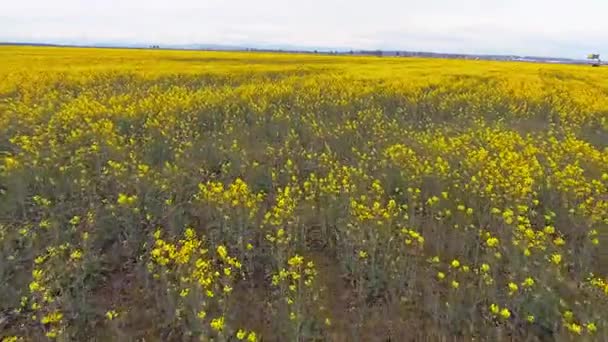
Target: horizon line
x=276, y=47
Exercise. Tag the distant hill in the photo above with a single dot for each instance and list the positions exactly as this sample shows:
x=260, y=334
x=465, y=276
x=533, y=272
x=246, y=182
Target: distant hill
x=27, y=44
x=315, y=49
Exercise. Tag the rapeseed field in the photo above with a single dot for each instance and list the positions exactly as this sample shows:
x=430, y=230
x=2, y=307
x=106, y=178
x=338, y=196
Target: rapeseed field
x=222, y=196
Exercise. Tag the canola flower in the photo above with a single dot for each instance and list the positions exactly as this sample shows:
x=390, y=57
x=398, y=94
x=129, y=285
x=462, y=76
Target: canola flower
x=196, y=187
x=112, y=314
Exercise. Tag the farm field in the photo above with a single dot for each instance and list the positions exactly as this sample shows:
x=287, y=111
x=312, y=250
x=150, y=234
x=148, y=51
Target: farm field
x=150, y=195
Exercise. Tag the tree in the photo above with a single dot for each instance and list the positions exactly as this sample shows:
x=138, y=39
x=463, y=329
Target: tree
x=595, y=58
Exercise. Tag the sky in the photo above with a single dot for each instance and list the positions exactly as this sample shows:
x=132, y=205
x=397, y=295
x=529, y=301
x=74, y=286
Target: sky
x=557, y=28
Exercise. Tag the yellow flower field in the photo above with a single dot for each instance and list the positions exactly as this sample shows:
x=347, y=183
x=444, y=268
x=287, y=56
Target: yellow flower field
x=225, y=196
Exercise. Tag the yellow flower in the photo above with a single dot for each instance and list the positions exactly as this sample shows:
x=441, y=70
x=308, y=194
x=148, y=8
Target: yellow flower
x=440, y=275
x=495, y=309
x=559, y=241
x=222, y=251
x=574, y=328
x=34, y=286
x=492, y=242
x=556, y=258
x=455, y=263
x=75, y=220
x=455, y=284
x=513, y=287
x=240, y=334
x=189, y=234
x=52, y=333
x=528, y=282
x=37, y=274
x=505, y=313
x=125, y=200
x=295, y=261
x=110, y=315
x=10, y=163
x=53, y=317
x=252, y=337
x=217, y=324
x=76, y=255
x=591, y=327
x=157, y=233
x=362, y=254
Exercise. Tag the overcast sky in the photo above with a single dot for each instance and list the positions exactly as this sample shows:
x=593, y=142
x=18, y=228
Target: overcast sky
x=533, y=27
